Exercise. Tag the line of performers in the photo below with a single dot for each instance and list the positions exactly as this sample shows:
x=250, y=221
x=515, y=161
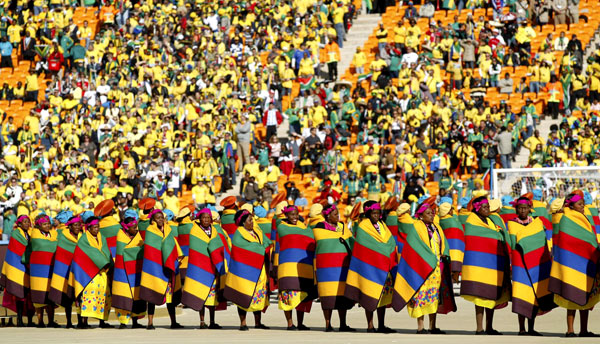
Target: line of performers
x=384, y=257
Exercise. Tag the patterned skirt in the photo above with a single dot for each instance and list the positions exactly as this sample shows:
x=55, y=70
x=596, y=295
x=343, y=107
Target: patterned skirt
x=95, y=299
x=260, y=299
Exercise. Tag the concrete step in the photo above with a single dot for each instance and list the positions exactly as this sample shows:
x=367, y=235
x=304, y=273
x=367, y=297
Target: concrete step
x=522, y=159
x=360, y=31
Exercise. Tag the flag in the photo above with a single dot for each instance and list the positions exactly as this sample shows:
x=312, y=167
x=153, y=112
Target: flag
x=128, y=273
x=576, y=255
x=161, y=252
x=374, y=256
x=248, y=255
x=43, y=50
x=364, y=77
x=15, y=277
x=332, y=259
x=307, y=83
x=90, y=256
x=531, y=263
x=60, y=291
x=40, y=264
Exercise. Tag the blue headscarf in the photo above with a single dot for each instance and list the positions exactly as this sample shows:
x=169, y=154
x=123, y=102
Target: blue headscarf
x=587, y=198
x=537, y=194
x=446, y=200
x=464, y=202
x=86, y=215
x=423, y=199
x=64, y=216
x=131, y=213
x=507, y=200
x=169, y=215
x=260, y=211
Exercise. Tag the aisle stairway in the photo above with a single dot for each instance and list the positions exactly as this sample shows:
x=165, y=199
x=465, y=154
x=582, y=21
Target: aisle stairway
x=361, y=28
x=544, y=127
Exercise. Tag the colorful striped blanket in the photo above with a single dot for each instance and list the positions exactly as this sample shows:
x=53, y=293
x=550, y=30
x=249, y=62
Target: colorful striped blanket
x=296, y=254
x=60, y=291
x=454, y=233
x=576, y=258
x=15, y=276
x=109, y=228
x=90, y=257
x=249, y=254
x=161, y=254
x=374, y=257
x=332, y=259
x=43, y=249
x=486, y=264
x=128, y=273
x=531, y=263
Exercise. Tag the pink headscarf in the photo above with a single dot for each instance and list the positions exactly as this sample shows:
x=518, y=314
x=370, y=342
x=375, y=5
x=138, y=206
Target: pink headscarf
x=92, y=223
x=375, y=206
x=329, y=210
x=73, y=220
x=573, y=199
x=42, y=219
x=289, y=208
x=21, y=219
x=478, y=205
x=154, y=211
x=422, y=208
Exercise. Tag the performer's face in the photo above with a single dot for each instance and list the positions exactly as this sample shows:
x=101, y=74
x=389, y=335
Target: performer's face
x=25, y=224
x=333, y=216
x=75, y=228
x=427, y=216
x=94, y=229
x=205, y=220
x=484, y=210
x=579, y=206
x=375, y=215
x=523, y=211
x=293, y=216
x=249, y=223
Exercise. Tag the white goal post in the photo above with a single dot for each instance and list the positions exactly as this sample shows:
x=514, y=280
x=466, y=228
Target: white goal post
x=553, y=181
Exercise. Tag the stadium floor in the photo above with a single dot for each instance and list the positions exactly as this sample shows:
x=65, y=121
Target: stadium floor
x=459, y=327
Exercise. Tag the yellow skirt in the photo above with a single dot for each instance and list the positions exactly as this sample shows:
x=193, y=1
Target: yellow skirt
x=426, y=300
x=95, y=299
x=490, y=304
x=387, y=292
x=124, y=316
x=260, y=299
x=211, y=300
x=290, y=299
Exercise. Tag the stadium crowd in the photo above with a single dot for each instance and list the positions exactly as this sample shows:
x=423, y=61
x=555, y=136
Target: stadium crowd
x=172, y=100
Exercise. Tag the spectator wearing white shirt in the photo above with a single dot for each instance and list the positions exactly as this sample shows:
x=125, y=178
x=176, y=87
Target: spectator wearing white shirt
x=560, y=43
